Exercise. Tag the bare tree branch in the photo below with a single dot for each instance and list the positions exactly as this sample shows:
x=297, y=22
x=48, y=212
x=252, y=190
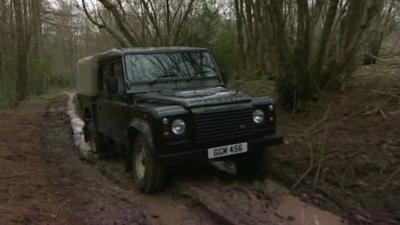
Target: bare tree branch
x=104, y=26
x=131, y=37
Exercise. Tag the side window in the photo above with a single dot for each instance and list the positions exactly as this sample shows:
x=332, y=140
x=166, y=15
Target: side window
x=105, y=71
x=118, y=73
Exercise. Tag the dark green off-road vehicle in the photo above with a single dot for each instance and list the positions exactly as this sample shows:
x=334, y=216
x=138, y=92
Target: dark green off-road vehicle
x=164, y=106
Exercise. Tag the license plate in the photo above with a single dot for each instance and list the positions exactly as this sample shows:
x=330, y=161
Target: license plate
x=227, y=150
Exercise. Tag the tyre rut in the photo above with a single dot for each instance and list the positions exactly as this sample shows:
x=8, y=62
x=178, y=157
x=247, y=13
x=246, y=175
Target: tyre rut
x=205, y=194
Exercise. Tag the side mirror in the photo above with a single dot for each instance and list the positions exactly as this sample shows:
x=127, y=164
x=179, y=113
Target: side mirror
x=225, y=77
x=112, y=85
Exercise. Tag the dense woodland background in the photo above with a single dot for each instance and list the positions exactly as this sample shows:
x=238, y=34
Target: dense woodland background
x=303, y=46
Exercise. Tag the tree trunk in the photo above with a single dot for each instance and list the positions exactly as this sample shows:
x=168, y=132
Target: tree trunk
x=249, y=31
x=317, y=71
x=3, y=37
x=21, y=83
x=35, y=65
x=36, y=13
x=372, y=50
x=354, y=26
x=240, y=31
x=378, y=22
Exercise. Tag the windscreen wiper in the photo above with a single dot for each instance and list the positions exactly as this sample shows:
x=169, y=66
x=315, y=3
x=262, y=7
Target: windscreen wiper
x=168, y=75
x=158, y=78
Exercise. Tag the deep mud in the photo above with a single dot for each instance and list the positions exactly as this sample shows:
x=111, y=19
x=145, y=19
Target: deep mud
x=45, y=181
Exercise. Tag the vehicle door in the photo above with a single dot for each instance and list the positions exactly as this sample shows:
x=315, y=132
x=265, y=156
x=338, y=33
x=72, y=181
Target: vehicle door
x=112, y=109
x=119, y=110
x=104, y=71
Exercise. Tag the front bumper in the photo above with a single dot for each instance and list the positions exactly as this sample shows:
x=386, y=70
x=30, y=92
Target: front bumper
x=201, y=155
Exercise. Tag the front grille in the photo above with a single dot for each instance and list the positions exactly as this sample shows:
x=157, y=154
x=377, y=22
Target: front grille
x=222, y=125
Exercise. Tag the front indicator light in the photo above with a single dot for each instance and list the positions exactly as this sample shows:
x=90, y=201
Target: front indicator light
x=166, y=134
x=165, y=121
x=271, y=108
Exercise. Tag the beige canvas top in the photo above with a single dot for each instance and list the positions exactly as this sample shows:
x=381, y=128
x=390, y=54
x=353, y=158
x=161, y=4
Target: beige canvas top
x=87, y=72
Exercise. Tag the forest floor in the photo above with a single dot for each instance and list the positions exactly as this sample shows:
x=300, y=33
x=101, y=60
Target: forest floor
x=342, y=157
x=344, y=153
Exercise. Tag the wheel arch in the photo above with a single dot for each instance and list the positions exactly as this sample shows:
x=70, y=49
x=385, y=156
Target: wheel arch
x=138, y=127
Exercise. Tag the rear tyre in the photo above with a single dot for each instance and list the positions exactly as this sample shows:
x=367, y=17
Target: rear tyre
x=148, y=172
x=255, y=166
x=94, y=138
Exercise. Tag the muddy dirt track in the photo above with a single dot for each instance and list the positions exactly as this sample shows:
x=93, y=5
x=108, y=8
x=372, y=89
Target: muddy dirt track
x=44, y=181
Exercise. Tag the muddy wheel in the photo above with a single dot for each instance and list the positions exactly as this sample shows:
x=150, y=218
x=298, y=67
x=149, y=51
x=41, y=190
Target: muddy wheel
x=148, y=173
x=94, y=138
x=255, y=166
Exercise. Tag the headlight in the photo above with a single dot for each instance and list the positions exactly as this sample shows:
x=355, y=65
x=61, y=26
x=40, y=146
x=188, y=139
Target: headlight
x=178, y=126
x=258, y=116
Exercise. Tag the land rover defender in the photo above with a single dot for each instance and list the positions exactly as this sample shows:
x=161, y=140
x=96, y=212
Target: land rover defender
x=165, y=106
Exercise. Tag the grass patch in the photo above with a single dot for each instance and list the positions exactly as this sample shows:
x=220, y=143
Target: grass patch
x=254, y=87
x=7, y=99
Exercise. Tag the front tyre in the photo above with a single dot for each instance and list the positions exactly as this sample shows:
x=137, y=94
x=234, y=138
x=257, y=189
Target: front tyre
x=148, y=172
x=256, y=165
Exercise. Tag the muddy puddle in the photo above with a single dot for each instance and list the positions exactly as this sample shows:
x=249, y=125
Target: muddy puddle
x=211, y=194
x=302, y=213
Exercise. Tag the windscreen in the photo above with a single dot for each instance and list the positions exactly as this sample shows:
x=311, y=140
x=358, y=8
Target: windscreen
x=175, y=66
